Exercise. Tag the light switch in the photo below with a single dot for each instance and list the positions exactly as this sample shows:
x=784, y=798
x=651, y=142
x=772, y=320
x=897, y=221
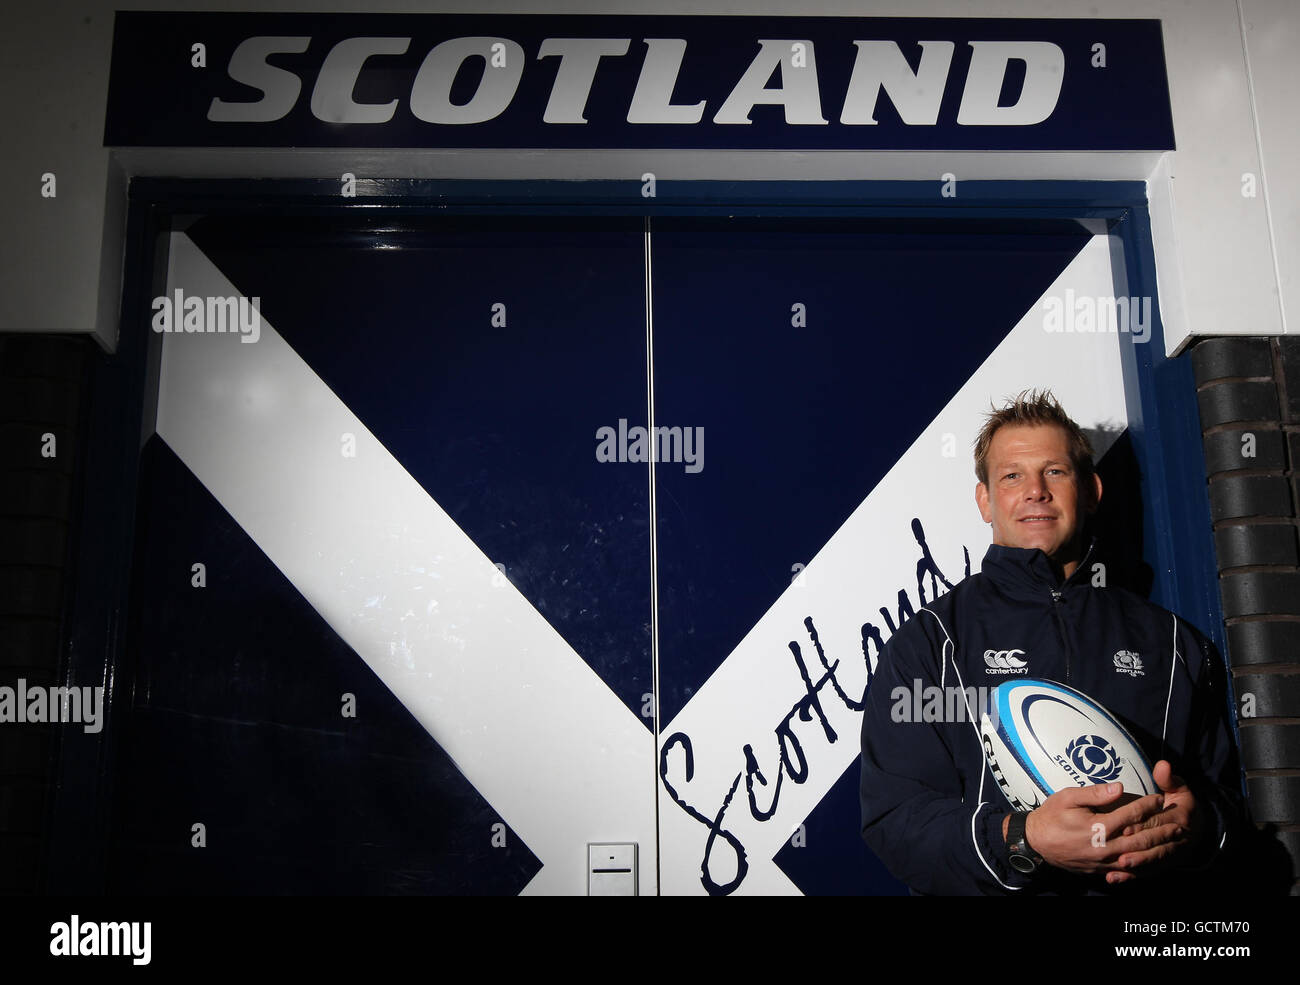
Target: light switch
x=611, y=869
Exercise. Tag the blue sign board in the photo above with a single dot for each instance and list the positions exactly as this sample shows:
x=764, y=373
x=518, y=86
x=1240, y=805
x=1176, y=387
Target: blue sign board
x=616, y=81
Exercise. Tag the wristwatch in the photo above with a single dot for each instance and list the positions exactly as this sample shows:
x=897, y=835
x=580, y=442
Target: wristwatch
x=1022, y=858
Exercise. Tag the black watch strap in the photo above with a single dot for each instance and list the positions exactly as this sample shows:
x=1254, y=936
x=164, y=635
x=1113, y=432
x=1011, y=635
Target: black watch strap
x=1021, y=857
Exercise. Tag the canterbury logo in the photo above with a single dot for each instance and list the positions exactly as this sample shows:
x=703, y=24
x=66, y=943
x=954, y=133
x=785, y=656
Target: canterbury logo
x=1005, y=659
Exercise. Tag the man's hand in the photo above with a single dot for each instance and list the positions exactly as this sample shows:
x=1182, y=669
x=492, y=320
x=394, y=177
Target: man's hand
x=1061, y=829
x=1179, y=825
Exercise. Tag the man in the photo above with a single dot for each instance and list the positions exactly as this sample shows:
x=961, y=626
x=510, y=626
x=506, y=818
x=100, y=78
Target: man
x=931, y=809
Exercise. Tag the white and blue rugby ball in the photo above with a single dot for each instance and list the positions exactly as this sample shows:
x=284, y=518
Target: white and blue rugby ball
x=1040, y=737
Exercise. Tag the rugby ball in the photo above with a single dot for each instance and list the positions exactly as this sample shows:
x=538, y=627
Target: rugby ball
x=1040, y=737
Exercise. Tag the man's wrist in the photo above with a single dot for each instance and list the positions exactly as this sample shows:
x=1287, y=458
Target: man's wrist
x=1006, y=823
x=1020, y=854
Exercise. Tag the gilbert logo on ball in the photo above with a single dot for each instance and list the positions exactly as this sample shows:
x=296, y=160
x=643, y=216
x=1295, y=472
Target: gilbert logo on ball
x=1040, y=737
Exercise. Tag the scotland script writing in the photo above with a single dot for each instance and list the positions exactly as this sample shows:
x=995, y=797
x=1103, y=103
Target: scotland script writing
x=792, y=762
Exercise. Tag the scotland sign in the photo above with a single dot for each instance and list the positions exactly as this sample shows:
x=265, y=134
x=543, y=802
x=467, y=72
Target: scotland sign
x=389, y=80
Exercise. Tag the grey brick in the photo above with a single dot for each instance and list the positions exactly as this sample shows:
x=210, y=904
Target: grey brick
x=1227, y=450
x=1259, y=543
x=1290, y=840
x=1264, y=641
x=1270, y=746
x=1274, y=695
x=31, y=493
x=30, y=592
x=1274, y=799
x=1290, y=349
x=32, y=354
x=28, y=643
x=21, y=448
x=1260, y=593
x=26, y=540
x=40, y=401
x=1233, y=356
x=1236, y=496
x=1224, y=403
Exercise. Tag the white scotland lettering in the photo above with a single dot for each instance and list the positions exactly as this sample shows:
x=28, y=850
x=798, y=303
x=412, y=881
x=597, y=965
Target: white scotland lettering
x=878, y=66
x=1073, y=773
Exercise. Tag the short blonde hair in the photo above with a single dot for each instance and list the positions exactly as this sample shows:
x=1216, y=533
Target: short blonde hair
x=1033, y=408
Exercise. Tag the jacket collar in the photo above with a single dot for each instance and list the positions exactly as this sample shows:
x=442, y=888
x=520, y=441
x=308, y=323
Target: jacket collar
x=1027, y=573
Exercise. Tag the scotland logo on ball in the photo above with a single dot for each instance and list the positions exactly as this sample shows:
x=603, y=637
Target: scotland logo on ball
x=1095, y=758
x=1040, y=737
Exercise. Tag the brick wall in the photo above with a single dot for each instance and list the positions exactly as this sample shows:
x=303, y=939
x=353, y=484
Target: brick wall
x=1248, y=390
x=44, y=381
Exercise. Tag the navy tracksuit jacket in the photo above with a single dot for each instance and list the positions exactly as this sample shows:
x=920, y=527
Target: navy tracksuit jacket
x=931, y=809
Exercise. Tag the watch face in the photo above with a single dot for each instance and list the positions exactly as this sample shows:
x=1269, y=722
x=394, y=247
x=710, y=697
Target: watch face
x=1022, y=863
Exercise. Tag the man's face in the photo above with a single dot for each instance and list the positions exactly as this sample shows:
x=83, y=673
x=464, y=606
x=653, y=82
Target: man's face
x=1033, y=497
